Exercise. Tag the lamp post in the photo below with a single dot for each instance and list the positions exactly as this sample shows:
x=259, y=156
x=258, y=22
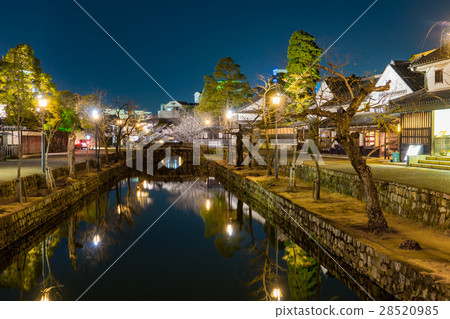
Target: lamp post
x=96, y=116
x=42, y=102
x=276, y=101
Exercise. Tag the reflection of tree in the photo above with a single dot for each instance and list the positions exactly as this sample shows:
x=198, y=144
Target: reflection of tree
x=71, y=239
x=25, y=271
x=303, y=272
x=267, y=279
x=223, y=223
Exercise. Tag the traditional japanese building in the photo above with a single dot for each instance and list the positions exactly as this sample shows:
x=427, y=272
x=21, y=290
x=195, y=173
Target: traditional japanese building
x=425, y=114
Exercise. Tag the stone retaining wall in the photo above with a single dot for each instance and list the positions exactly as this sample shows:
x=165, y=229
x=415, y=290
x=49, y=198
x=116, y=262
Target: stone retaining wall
x=419, y=204
x=35, y=181
x=17, y=225
x=397, y=278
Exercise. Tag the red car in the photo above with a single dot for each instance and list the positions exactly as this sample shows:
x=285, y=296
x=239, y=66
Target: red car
x=83, y=144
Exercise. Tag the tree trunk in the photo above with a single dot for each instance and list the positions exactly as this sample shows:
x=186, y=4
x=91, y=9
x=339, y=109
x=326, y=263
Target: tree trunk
x=239, y=148
x=19, y=143
x=106, y=150
x=71, y=154
x=316, y=190
x=377, y=222
x=19, y=184
x=268, y=158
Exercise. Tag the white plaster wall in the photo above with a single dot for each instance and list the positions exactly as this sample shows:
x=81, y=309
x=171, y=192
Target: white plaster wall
x=430, y=70
x=397, y=88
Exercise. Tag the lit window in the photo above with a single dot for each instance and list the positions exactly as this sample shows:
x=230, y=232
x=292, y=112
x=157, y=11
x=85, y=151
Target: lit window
x=438, y=76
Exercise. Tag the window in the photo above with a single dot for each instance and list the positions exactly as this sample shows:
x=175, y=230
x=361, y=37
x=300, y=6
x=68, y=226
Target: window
x=438, y=76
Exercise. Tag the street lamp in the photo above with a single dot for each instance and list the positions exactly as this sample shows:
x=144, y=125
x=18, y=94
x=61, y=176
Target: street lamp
x=42, y=102
x=95, y=117
x=276, y=100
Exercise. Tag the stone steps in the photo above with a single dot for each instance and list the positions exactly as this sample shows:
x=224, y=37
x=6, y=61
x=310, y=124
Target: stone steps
x=433, y=166
x=438, y=158
x=436, y=162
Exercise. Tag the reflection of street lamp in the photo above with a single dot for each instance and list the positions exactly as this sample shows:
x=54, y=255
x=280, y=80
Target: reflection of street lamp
x=95, y=117
x=45, y=297
x=96, y=240
x=42, y=102
x=230, y=220
x=230, y=229
x=276, y=292
x=208, y=205
x=276, y=101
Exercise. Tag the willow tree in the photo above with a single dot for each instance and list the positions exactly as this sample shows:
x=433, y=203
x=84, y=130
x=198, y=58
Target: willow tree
x=21, y=80
x=226, y=88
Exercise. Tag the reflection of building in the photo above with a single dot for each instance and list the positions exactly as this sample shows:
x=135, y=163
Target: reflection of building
x=425, y=114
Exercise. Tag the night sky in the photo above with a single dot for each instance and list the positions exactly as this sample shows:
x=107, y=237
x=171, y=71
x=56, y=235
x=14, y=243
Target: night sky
x=179, y=42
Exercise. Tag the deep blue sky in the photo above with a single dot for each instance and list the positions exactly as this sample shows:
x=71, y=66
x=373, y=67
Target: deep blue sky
x=179, y=42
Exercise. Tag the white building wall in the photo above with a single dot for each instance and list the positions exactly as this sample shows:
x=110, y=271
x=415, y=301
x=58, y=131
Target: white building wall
x=429, y=71
x=397, y=88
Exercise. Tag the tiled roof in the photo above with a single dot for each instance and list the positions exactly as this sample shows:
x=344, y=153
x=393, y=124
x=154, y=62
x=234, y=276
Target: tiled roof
x=366, y=119
x=442, y=53
x=421, y=100
x=340, y=91
x=414, y=80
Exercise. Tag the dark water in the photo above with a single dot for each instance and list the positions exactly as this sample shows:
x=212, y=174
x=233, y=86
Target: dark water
x=207, y=246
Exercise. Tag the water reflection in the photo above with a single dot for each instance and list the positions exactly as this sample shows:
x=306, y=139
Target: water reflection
x=254, y=259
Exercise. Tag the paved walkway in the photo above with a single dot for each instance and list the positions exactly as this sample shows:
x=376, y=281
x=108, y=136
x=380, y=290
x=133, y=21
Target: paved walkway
x=32, y=164
x=434, y=179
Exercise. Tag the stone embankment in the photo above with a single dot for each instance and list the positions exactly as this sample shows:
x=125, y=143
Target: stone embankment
x=34, y=215
x=396, y=277
x=419, y=204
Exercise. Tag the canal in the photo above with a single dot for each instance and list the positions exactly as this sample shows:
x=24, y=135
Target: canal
x=208, y=246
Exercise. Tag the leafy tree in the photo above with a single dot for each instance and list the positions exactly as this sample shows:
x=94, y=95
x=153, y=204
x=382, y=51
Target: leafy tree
x=301, y=80
x=61, y=116
x=302, y=71
x=21, y=79
x=226, y=88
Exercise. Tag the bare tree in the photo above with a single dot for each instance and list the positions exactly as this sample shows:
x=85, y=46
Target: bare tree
x=188, y=128
x=347, y=106
x=266, y=112
x=123, y=114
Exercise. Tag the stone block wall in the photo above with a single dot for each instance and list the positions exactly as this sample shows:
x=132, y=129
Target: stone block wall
x=14, y=226
x=8, y=188
x=397, y=278
x=419, y=204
